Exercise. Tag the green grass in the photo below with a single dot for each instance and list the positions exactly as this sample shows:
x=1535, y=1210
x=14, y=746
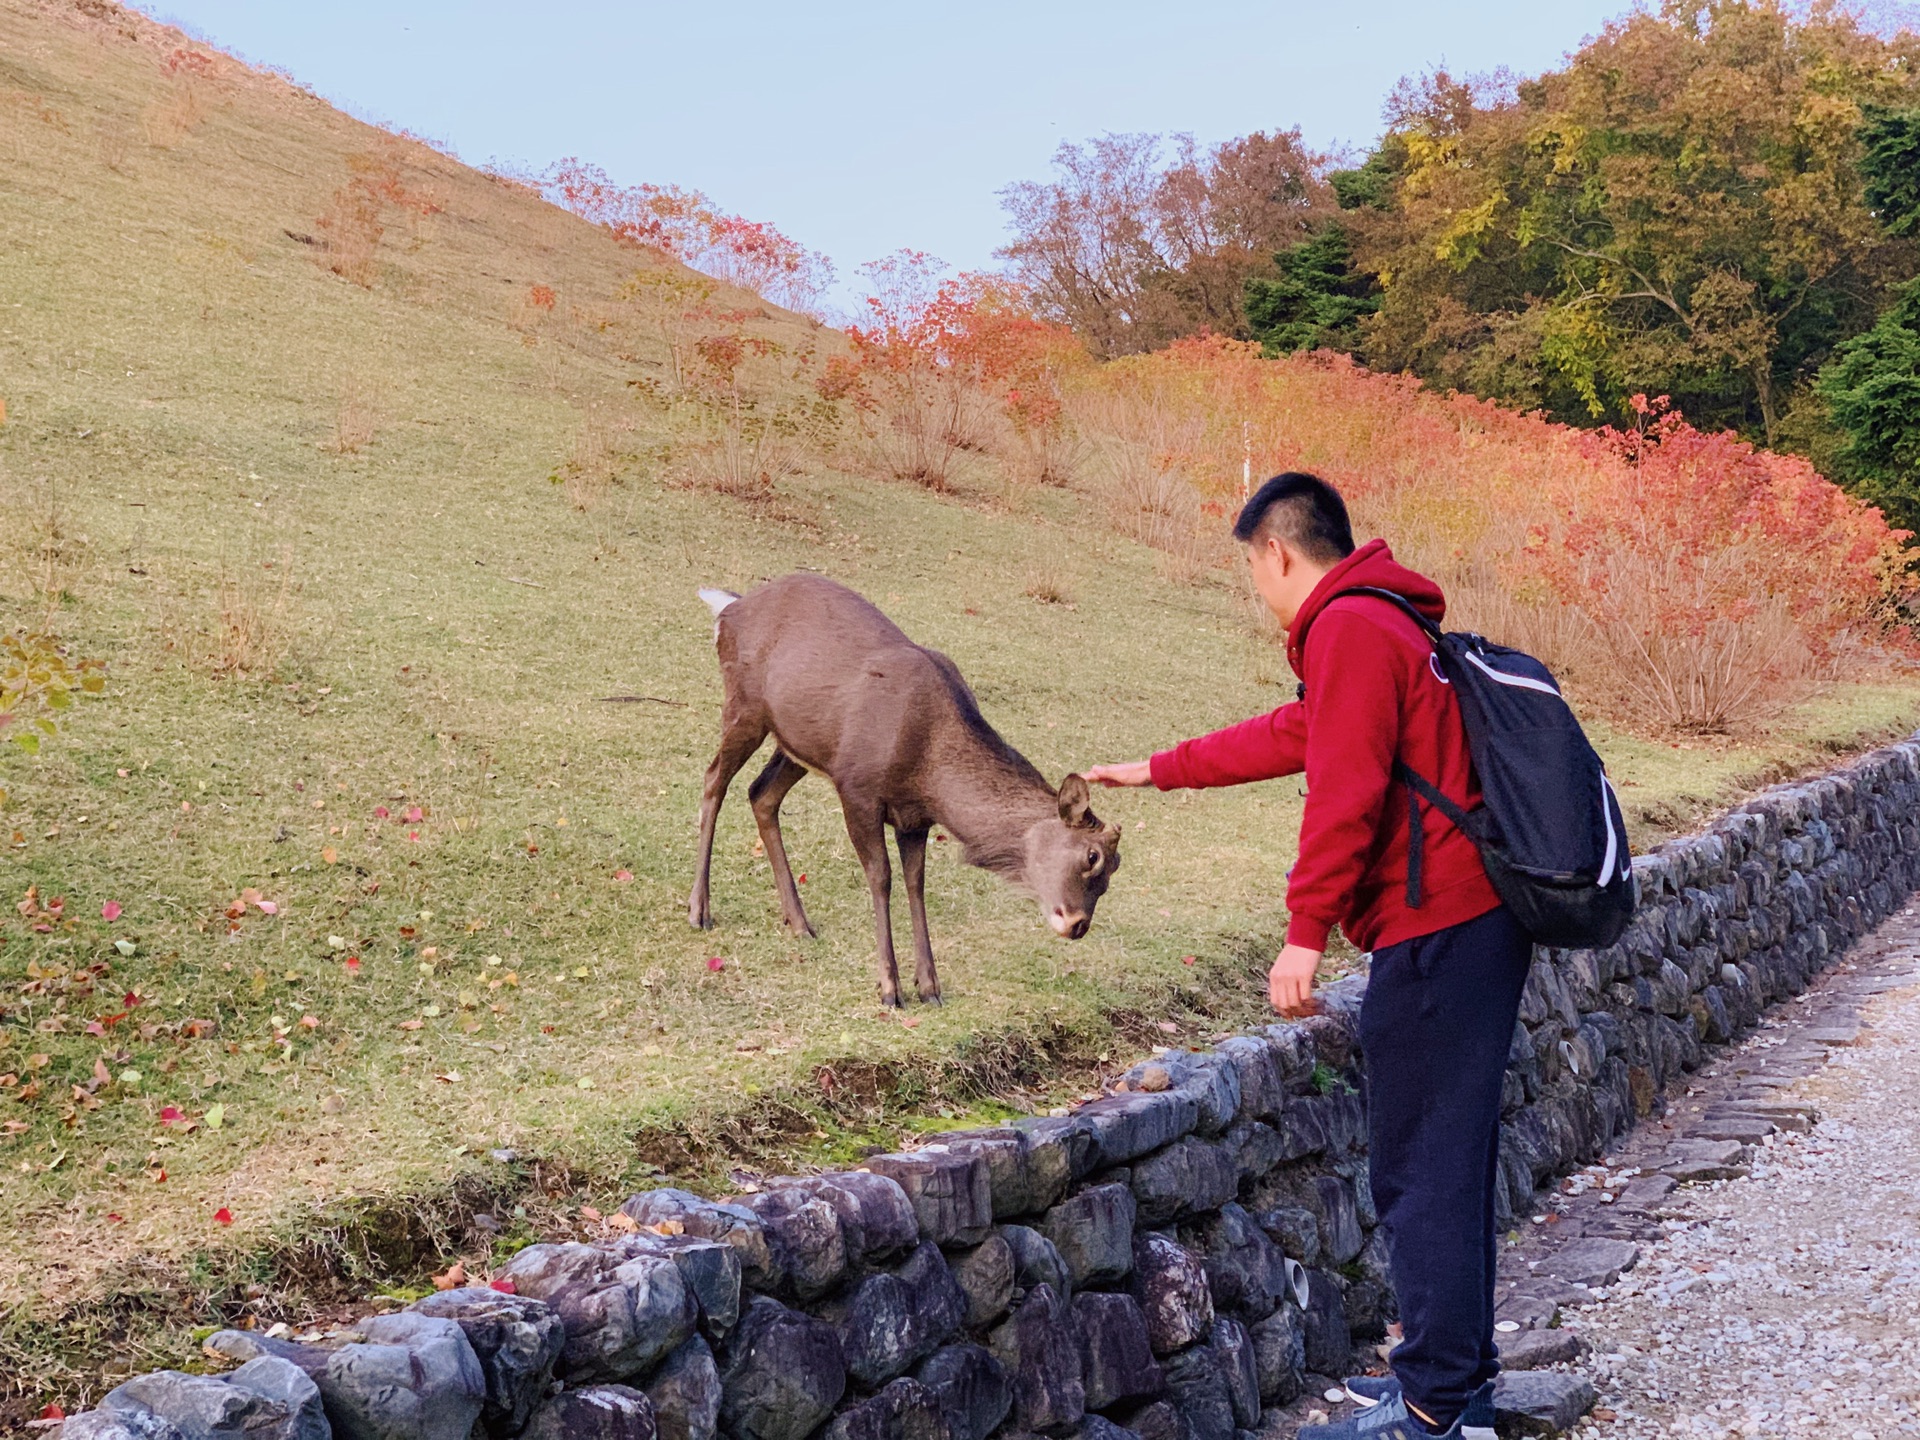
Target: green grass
x=438, y=626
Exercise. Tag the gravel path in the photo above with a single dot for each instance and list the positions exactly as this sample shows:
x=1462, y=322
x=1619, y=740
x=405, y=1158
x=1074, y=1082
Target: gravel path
x=1787, y=1304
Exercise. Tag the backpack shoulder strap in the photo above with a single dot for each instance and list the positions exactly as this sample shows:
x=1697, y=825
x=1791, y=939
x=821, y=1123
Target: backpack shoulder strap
x=1411, y=610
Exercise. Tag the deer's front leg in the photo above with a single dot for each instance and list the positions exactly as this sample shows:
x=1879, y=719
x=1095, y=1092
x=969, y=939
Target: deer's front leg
x=737, y=745
x=913, y=870
x=868, y=831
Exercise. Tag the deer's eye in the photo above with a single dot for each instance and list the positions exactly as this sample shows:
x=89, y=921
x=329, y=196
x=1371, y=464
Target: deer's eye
x=1093, y=862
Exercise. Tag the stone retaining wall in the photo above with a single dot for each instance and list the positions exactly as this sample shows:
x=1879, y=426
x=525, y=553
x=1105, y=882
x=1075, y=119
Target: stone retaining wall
x=1165, y=1262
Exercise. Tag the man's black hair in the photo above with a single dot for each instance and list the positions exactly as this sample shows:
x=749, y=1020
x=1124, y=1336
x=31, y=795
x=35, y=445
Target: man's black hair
x=1302, y=510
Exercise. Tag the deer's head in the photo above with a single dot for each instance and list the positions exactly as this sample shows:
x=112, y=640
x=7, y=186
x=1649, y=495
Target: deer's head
x=1070, y=859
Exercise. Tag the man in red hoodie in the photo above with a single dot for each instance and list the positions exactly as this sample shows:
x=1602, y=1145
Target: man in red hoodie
x=1448, y=960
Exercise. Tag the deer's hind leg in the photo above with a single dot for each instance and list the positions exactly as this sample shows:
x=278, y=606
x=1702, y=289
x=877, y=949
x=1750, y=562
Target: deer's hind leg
x=769, y=788
x=913, y=870
x=738, y=740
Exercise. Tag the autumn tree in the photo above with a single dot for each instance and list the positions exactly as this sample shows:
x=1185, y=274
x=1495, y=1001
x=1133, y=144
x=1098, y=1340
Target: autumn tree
x=1138, y=239
x=1677, y=210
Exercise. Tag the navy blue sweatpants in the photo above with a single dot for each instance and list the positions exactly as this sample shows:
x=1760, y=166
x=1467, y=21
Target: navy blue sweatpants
x=1436, y=1028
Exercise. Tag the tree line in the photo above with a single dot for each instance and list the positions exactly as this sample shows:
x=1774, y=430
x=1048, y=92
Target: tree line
x=1715, y=202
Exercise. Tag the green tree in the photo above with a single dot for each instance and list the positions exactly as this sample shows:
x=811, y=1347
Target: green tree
x=1872, y=392
x=1314, y=301
x=1679, y=210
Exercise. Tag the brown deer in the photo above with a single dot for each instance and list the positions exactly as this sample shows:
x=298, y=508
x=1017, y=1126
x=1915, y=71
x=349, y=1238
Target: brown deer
x=893, y=725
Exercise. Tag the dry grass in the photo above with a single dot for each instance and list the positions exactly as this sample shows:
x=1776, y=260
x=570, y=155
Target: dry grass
x=355, y=421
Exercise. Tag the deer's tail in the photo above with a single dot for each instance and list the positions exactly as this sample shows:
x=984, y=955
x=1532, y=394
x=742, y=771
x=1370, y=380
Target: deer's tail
x=718, y=600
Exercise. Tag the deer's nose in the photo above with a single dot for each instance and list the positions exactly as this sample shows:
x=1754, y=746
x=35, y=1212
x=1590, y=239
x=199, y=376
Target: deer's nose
x=1069, y=923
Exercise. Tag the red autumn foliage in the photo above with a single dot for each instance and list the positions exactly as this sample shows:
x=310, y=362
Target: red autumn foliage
x=688, y=226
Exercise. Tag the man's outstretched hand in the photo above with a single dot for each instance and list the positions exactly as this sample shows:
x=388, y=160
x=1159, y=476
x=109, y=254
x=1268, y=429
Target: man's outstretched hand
x=1134, y=772
x=1290, y=982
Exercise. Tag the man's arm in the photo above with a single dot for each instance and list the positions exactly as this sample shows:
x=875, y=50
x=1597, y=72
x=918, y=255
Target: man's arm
x=1263, y=748
x=1349, y=763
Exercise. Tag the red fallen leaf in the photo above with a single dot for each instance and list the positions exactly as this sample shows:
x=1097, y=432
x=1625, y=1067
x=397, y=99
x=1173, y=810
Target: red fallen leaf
x=505, y=1287
x=716, y=964
x=53, y=1412
x=1188, y=959
x=381, y=812
x=129, y=1000
x=415, y=815
x=171, y=1115
x=413, y=835
x=110, y=910
x=116, y=1218
x=623, y=875
x=94, y=1027
x=803, y=879
x=267, y=907
x=160, y=1176
x=223, y=1216
x=912, y=1022
x=353, y=964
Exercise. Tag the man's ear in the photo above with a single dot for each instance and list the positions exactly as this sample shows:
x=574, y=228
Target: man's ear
x=1282, y=554
x=1076, y=802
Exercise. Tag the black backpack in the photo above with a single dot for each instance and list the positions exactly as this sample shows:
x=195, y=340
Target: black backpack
x=1550, y=830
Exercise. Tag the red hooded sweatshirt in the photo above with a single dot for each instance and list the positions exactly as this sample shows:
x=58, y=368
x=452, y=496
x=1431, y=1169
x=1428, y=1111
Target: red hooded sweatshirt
x=1373, y=693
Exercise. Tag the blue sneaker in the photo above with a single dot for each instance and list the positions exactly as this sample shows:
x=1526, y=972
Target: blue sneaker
x=1385, y=1420
x=1476, y=1421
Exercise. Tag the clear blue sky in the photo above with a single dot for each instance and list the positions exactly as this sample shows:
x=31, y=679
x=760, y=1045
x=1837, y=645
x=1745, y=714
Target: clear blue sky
x=861, y=128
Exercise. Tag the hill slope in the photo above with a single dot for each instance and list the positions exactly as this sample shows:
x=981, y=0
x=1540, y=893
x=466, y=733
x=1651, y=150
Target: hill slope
x=357, y=641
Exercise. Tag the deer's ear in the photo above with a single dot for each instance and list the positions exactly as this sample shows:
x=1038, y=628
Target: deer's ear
x=1076, y=802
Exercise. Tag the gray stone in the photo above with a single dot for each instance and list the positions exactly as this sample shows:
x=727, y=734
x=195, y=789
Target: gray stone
x=1198, y=1389
x=1699, y=1172
x=1158, y=1421
x=1295, y=1229
x=622, y=1313
x=1036, y=1261
x=891, y=1321
x=1186, y=1178
x=1171, y=1287
x=266, y=1399
x=807, y=1240
x=1591, y=1262
x=1116, y=1357
x=1263, y=1085
x=1280, y=1355
x=971, y=1387
x=1246, y=1272
x=1026, y=1170
x=1239, y=1368
x=951, y=1192
x=685, y=1391
x=117, y=1425
x=594, y=1412
x=517, y=1340
x=706, y=1220
x=1540, y=1402
x=1340, y=1234
x=1254, y=1148
x=1125, y=1127
x=986, y=1276
x=711, y=1269
x=781, y=1373
x=876, y=1217
x=1328, y=1340
x=1042, y=1356
x=1067, y=1138
x=1093, y=1231
x=904, y=1410
x=1645, y=1192
x=1098, y=1427
x=1537, y=1349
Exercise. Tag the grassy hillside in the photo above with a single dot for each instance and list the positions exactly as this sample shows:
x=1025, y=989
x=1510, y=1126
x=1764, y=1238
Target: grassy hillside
x=358, y=642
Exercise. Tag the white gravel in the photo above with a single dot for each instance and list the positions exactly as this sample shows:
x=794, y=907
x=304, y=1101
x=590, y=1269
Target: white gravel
x=1787, y=1304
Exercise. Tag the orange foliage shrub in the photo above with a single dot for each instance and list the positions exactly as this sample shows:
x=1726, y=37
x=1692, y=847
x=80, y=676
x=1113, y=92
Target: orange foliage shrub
x=1669, y=575
x=357, y=218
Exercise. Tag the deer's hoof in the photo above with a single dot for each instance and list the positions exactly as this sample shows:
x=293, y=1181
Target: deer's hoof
x=803, y=928
x=933, y=998
x=700, y=919
x=889, y=1002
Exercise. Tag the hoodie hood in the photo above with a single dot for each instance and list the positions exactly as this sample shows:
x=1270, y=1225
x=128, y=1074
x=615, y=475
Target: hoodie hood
x=1371, y=565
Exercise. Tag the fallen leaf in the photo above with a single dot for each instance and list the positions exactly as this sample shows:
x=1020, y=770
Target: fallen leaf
x=125, y=947
x=505, y=1287
x=267, y=907
x=110, y=911
x=587, y=1212
x=336, y=942
x=415, y=815
x=52, y=1411
x=623, y=875
x=160, y=1176
x=716, y=964
x=171, y=1115
x=452, y=1278
x=623, y=1222
x=215, y=1117
x=584, y=1082
x=330, y=855
x=448, y=1077
x=912, y=1022
x=381, y=812
x=353, y=964
x=1188, y=959
x=223, y=1216
x=411, y=1024
x=1167, y=1027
